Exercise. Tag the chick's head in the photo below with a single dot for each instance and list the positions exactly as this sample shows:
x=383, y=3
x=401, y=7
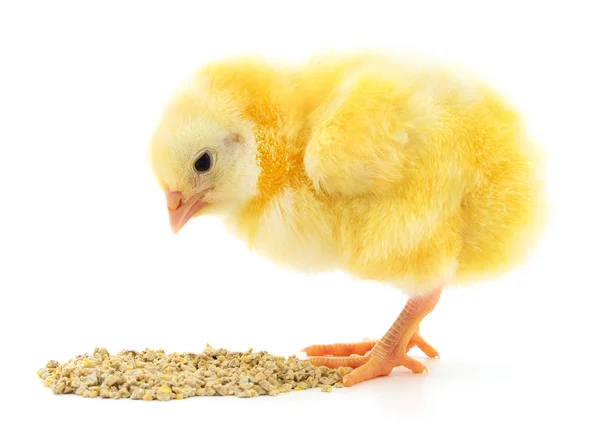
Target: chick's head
x=203, y=155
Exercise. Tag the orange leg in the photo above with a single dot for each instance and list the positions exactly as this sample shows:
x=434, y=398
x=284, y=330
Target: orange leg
x=377, y=358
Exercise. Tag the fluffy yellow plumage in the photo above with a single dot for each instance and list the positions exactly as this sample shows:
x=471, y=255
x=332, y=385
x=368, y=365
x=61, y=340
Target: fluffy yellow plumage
x=405, y=173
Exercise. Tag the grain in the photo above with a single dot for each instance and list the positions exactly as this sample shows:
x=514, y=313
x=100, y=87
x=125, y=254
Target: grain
x=154, y=375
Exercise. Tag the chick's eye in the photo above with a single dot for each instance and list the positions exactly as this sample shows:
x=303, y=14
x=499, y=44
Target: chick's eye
x=203, y=163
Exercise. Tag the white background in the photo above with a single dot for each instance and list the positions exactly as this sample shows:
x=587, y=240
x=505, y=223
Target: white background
x=88, y=258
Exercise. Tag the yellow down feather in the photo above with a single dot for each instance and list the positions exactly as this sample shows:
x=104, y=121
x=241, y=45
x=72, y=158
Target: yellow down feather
x=392, y=170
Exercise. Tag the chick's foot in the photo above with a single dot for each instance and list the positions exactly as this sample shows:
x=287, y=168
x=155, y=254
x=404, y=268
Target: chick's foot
x=365, y=347
x=378, y=358
x=356, y=355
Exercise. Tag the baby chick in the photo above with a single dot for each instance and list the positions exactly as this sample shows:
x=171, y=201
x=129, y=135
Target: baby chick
x=408, y=174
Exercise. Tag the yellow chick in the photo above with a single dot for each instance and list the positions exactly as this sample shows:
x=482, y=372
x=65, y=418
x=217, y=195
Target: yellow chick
x=404, y=173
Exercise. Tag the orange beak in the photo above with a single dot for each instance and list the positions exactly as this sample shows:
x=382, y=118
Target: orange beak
x=179, y=211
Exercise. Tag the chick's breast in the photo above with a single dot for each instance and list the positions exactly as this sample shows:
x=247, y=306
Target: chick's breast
x=296, y=229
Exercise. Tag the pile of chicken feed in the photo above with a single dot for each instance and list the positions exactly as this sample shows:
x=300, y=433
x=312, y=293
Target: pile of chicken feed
x=153, y=375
